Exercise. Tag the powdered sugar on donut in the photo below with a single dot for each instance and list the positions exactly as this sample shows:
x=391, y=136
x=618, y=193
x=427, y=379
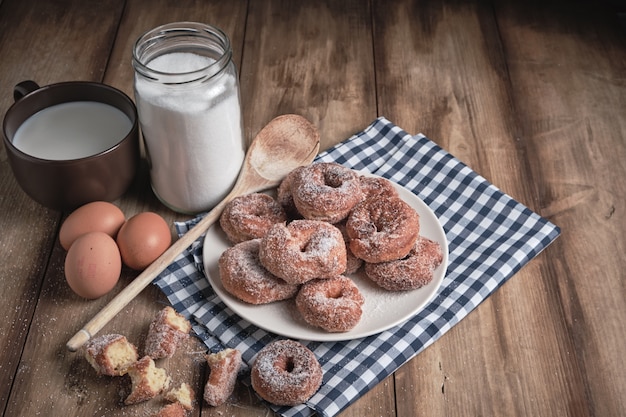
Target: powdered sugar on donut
x=303, y=250
x=326, y=191
x=285, y=317
x=333, y=305
x=250, y=216
x=244, y=277
x=409, y=273
x=382, y=229
x=286, y=372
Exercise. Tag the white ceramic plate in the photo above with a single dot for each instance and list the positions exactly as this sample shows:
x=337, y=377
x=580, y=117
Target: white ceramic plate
x=381, y=311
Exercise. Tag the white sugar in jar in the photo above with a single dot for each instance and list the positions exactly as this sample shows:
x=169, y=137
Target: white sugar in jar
x=187, y=95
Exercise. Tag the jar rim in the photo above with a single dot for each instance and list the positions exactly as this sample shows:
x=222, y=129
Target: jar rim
x=154, y=43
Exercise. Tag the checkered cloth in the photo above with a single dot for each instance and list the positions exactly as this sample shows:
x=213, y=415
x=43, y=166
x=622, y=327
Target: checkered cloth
x=490, y=237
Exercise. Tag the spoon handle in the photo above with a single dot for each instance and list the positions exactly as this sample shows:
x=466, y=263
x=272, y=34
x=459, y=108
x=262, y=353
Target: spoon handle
x=144, y=278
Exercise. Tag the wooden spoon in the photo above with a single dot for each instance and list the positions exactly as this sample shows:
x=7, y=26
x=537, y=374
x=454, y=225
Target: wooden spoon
x=285, y=143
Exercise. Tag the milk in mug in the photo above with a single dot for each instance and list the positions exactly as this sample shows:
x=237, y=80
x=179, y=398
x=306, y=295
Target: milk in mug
x=72, y=130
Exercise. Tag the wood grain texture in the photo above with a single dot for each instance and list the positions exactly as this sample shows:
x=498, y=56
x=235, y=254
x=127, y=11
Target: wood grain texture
x=467, y=106
x=440, y=72
x=568, y=79
x=29, y=230
x=312, y=59
x=532, y=96
x=74, y=383
x=452, y=88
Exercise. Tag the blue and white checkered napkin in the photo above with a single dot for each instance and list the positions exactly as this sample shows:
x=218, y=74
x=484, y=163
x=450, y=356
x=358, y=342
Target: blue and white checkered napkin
x=490, y=236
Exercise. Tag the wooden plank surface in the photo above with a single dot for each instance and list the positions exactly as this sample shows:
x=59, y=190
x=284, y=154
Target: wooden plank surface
x=456, y=92
x=567, y=77
x=309, y=58
x=467, y=105
x=29, y=230
x=72, y=383
x=531, y=97
x=323, y=71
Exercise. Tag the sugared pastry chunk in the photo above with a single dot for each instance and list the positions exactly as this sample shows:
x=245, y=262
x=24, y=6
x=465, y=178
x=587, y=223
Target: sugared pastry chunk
x=166, y=331
x=110, y=354
x=147, y=381
x=223, y=367
x=171, y=410
x=182, y=395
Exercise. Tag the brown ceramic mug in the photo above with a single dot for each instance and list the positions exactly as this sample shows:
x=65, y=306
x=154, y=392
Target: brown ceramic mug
x=63, y=182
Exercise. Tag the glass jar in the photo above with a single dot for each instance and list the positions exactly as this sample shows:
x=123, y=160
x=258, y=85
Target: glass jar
x=187, y=96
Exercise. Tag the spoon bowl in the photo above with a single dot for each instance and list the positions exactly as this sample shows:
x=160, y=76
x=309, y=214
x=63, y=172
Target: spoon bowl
x=285, y=143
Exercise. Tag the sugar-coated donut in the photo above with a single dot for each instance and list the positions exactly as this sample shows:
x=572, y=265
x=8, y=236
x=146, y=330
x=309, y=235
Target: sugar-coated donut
x=286, y=372
x=303, y=250
x=409, y=273
x=377, y=187
x=284, y=196
x=331, y=304
x=382, y=229
x=353, y=263
x=250, y=216
x=244, y=277
x=325, y=191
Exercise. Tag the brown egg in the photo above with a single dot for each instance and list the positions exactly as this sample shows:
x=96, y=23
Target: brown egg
x=93, y=265
x=99, y=216
x=142, y=239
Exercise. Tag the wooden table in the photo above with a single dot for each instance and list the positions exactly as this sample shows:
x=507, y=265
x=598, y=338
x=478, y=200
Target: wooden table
x=531, y=97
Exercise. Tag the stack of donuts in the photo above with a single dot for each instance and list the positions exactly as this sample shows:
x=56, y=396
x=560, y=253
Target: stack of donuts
x=325, y=223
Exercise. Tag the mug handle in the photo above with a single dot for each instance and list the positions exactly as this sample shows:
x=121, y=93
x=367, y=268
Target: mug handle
x=24, y=88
